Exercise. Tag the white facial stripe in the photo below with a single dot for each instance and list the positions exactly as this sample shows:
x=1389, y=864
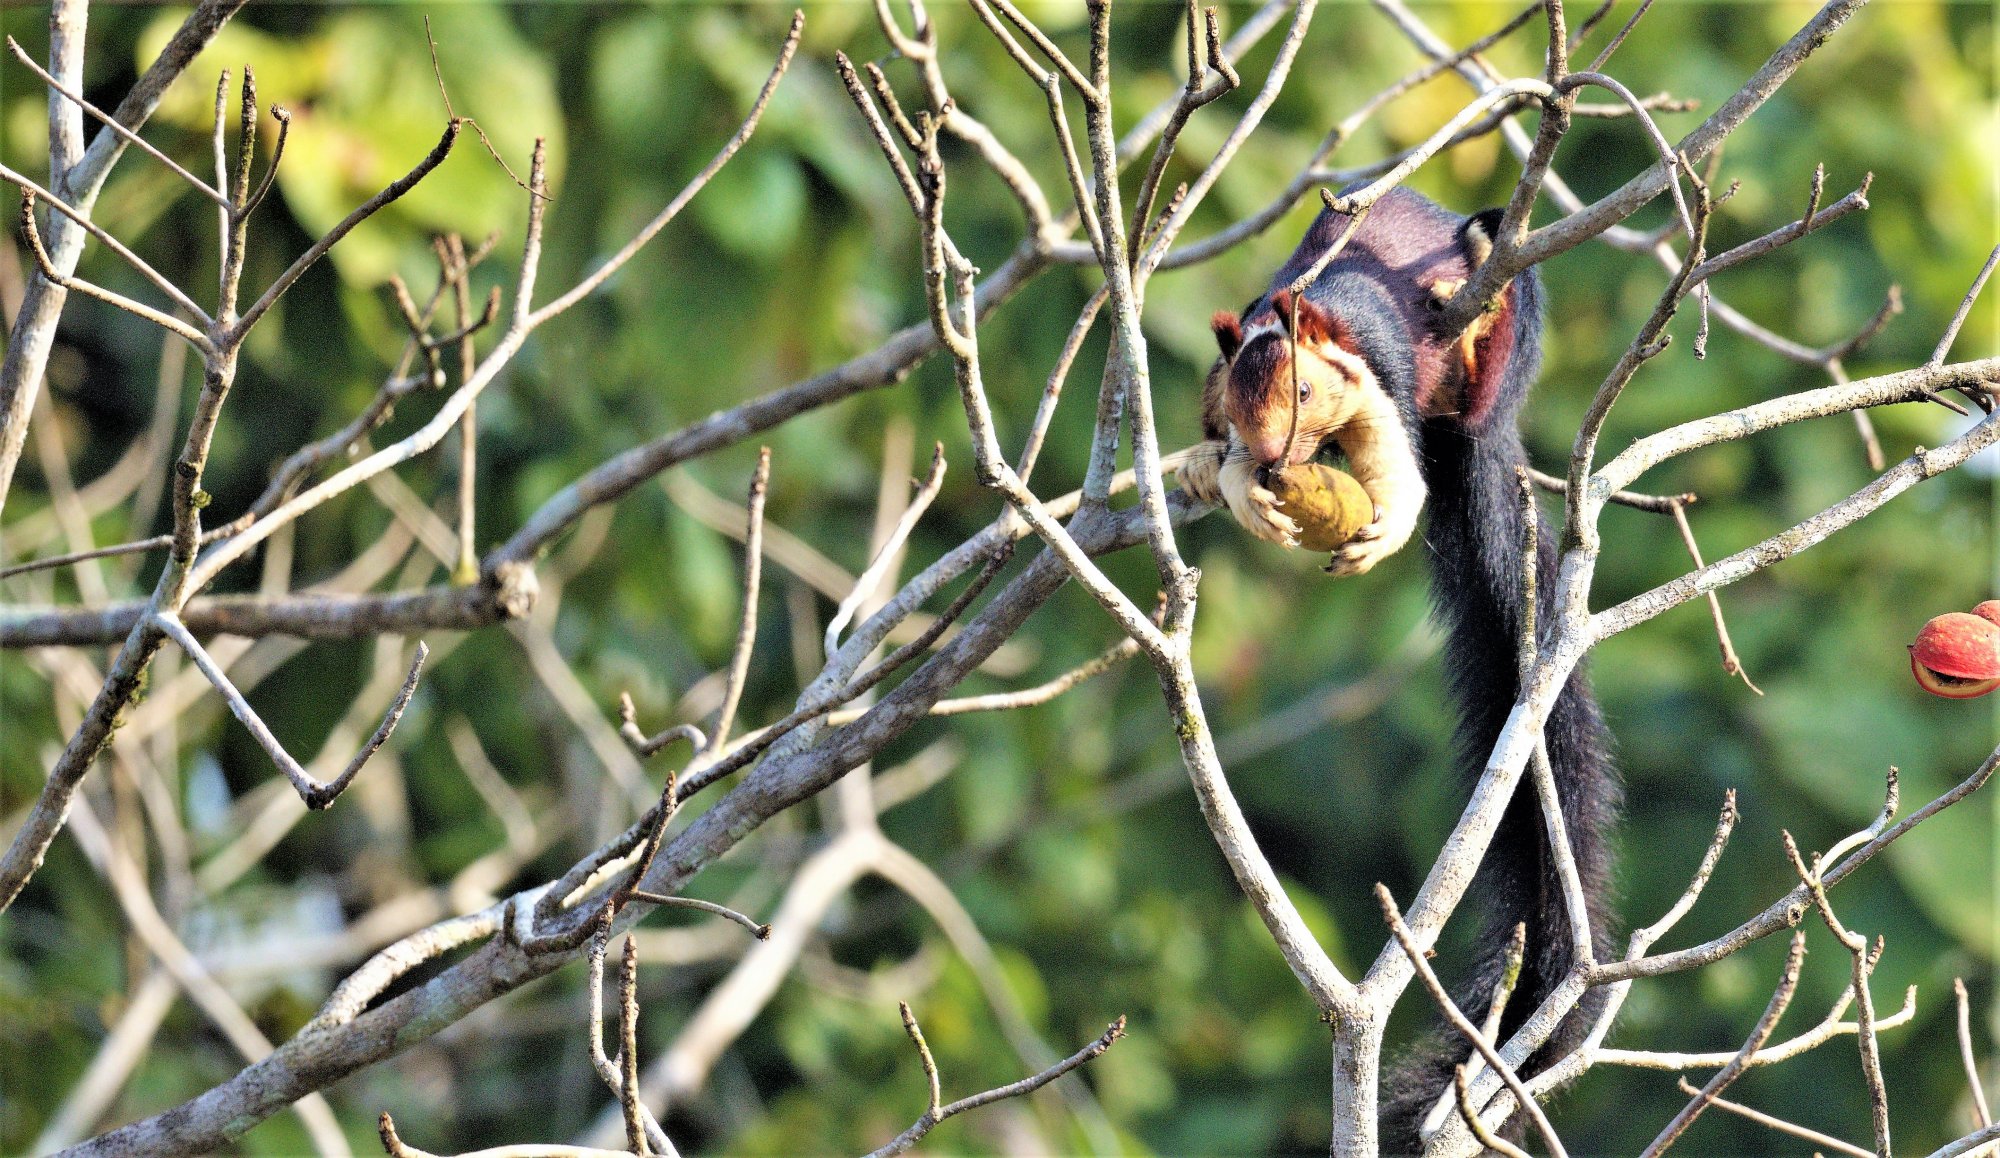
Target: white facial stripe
x=1349, y=365
x=1331, y=367
x=1342, y=362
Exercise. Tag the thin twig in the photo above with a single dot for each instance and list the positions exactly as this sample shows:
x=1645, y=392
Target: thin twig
x=418, y=325
x=1047, y=47
x=284, y=118
x=1864, y=1003
x=757, y=928
x=1829, y=1028
x=1510, y=977
x=1462, y=1024
x=1461, y=1092
x=1964, y=309
x=1654, y=504
x=748, y=749
x=1730, y=663
x=1576, y=905
x=616, y=261
x=1503, y=993
x=1676, y=164
x=1604, y=54
x=1788, y=981
x=610, y=1069
x=890, y=552
x=1038, y=429
x=1891, y=795
x=887, y=95
x=628, y=1052
x=112, y=123
x=137, y=546
x=628, y=727
x=746, y=631
x=1778, y=1124
x=437, y=72
x=391, y=192
x=1793, y=906
x=458, y=271
x=1981, y=1113
x=1028, y=1085
x=30, y=192
x=923, y=1054
x=1041, y=693
x=317, y=795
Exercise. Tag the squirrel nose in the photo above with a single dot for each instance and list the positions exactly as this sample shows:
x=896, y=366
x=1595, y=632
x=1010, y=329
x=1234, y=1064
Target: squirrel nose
x=1267, y=449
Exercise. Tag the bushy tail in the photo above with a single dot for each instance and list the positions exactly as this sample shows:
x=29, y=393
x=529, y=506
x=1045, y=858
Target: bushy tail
x=1476, y=548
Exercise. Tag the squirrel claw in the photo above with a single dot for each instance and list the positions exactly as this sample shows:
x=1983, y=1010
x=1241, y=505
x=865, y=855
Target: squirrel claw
x=1359, y=555
x=1260, y=515
x=1254, y=506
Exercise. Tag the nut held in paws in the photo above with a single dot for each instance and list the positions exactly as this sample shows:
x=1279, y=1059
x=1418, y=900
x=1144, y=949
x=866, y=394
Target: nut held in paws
x=1328, y=505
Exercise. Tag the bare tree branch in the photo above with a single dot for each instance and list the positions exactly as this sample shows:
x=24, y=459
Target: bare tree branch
x=79, y=173
x=937, y=1113
x=1778, y=1124
x=1788, y=981
x=1461, y=1023
x=317, y=795
x=1981, y=1114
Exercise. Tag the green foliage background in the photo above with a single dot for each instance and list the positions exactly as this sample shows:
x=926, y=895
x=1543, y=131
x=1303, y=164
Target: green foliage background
x=1066, y=829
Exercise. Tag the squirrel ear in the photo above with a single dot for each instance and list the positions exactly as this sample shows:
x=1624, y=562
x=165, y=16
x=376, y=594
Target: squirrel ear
x=1228, y=332
x=1477, y=235
x=1281, y=304
x=1316, y=325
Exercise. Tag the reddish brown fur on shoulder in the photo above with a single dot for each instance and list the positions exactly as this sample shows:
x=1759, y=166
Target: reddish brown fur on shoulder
x=1487, y=351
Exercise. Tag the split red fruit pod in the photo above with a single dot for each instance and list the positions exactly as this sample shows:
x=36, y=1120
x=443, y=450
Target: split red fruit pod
x=1989, y=611
x=1957, y=656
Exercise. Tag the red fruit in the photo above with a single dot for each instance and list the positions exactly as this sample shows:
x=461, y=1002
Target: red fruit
x=1989, y=611
x=1957, y=655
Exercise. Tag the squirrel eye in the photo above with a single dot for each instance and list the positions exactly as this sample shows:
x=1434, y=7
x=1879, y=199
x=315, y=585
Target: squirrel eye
x=1305, y=391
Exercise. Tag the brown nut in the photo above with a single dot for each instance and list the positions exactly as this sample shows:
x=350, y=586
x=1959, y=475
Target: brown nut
x=1327, y=504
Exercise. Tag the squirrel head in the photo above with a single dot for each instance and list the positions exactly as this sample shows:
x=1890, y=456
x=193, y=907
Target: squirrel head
x=1262, y=388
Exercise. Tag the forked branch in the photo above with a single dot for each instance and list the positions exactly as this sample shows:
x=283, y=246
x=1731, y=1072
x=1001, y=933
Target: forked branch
x=317, y=795
x=938, y=1111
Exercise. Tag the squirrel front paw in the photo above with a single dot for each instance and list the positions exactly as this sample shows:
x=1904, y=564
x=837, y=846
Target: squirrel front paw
x=1255, y=506
x=1200, y=473
x=1369, y=546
